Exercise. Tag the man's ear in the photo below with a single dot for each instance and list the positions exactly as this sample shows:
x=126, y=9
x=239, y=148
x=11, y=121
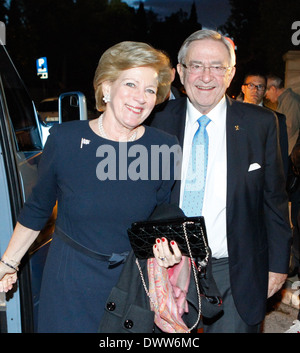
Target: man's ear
x=180, y=73
x=243, y=89
x=232, y=73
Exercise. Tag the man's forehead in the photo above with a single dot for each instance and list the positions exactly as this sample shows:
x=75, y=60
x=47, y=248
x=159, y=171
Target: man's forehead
x=255, y=78
x=207, y=46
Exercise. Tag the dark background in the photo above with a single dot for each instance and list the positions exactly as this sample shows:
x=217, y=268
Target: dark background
x=73, y=34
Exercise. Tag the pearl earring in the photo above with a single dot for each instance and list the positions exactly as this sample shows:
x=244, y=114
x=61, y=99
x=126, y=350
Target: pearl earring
x=106, y=98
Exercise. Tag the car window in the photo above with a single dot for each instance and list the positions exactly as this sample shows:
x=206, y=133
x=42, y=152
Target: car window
x=48, y=106
x=20, y=107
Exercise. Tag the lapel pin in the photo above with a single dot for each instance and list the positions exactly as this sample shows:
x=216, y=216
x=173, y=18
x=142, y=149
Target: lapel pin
x=84, y=142
x=236, y=127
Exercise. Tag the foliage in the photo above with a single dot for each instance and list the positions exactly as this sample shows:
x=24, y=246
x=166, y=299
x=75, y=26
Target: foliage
x=261, y=30
x=73, y=34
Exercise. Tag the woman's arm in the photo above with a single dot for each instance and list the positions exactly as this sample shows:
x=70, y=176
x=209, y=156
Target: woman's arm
x=20, y=242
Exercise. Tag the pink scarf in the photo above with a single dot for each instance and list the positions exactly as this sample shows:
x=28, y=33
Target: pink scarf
x=168, y=289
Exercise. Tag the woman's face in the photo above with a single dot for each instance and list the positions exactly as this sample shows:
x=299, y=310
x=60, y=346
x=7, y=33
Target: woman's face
x=132, y=96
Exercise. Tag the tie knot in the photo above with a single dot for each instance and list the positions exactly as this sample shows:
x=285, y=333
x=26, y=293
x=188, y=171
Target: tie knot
x=203, y=120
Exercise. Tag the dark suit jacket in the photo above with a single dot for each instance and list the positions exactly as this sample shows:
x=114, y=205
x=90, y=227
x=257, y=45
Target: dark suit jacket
x=283, y=140
x=295, y=155
x=258, y=231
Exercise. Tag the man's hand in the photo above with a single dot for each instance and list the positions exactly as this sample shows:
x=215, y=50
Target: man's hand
x=276, y=281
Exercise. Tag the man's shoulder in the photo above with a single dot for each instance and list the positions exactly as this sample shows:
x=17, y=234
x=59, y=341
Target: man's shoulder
x=253, y=115
x=289, y=95
x=172, y=105
x=279, y=115
x=167, y=110
x=248, y=108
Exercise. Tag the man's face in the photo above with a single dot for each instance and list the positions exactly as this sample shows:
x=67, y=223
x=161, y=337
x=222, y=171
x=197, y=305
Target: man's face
x=271, y=92
x=254, y=89
x=206, y=88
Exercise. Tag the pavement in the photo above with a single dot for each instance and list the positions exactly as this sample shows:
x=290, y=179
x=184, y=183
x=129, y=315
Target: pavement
x=283, y=307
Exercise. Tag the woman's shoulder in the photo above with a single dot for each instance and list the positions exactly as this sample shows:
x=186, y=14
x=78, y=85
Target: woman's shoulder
x=68, y=129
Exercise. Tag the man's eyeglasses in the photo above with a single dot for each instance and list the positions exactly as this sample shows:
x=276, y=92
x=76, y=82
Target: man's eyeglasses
x=216, y=70
x=252, y=86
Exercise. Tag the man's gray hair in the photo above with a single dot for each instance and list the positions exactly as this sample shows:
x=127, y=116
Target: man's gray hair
x=206, y=34
x=275, y=81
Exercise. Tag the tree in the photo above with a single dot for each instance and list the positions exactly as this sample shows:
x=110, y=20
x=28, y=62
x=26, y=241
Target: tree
x=274, y=40
x=3, y=11
x=262, y=33
x=73, y=34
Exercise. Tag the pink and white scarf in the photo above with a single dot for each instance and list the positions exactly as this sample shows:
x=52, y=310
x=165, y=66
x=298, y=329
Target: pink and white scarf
x=168, y=288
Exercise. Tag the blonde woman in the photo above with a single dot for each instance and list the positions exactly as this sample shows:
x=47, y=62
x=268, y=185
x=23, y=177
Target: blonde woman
x=99, y=171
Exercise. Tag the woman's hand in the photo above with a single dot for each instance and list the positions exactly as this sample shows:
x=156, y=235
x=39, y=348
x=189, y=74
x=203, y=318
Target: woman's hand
x=164, y=256
x=7, y=279
x=20, y=242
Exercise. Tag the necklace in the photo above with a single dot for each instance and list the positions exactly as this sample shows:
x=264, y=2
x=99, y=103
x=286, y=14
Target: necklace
x=103, y=134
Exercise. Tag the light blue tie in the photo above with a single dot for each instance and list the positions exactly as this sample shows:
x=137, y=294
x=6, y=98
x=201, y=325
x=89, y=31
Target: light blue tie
x=196, y=175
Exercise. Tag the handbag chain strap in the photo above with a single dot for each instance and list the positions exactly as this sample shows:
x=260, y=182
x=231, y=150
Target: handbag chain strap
x=194, y=272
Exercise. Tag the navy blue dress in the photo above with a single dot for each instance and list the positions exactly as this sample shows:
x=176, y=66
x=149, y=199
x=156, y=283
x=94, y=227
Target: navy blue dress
x=97, y=203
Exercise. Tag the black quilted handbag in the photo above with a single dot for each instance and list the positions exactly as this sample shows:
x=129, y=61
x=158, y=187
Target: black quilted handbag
x=188, y=232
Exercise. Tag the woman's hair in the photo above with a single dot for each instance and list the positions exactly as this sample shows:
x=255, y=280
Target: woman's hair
x=206, y=34
x=128, y=55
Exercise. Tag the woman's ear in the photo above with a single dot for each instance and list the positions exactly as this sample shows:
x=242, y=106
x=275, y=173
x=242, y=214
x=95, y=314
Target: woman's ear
x=106, y=86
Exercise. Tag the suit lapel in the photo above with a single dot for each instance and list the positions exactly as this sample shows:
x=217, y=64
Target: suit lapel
x=177, y=128
x=236, y=136
x=237, y=151
x=178, y=114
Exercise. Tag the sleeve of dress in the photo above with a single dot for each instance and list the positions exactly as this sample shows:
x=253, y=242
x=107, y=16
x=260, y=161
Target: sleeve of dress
x=39, y=205
x=170, y=171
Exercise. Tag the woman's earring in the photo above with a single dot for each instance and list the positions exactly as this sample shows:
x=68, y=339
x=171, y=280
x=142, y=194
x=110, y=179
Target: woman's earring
x=106, y=98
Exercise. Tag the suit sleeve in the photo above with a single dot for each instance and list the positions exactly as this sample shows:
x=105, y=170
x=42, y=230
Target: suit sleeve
x=295, y=155
x=276, y=205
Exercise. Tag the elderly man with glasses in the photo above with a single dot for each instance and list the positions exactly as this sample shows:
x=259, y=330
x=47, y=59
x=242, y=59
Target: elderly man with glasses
x=233, y=149
x=288, y=103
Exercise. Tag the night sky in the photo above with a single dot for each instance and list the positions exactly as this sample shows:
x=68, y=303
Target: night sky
x=211, y=13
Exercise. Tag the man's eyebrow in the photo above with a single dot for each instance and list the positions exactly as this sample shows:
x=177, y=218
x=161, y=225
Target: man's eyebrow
x=215, y=62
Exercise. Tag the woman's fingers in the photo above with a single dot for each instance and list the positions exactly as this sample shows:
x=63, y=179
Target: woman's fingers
x=176, y=251
x=7, y=282
x=164, y=256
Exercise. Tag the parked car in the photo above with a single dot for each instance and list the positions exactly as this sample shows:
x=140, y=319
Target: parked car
x=22, y=137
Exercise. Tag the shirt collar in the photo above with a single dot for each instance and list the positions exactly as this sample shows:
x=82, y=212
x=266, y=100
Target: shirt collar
x=217, y=113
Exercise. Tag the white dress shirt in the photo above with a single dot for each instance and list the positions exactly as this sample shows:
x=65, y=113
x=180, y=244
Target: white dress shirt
x=214, y=205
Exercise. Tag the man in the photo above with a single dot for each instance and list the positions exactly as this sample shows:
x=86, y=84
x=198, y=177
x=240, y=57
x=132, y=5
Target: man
x=254, y=89
x=245, y=204
x=295, y=211
x=288, y=104
x=295, y=157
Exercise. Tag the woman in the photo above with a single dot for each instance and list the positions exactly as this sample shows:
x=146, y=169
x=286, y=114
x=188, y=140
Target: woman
x=93, y=170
